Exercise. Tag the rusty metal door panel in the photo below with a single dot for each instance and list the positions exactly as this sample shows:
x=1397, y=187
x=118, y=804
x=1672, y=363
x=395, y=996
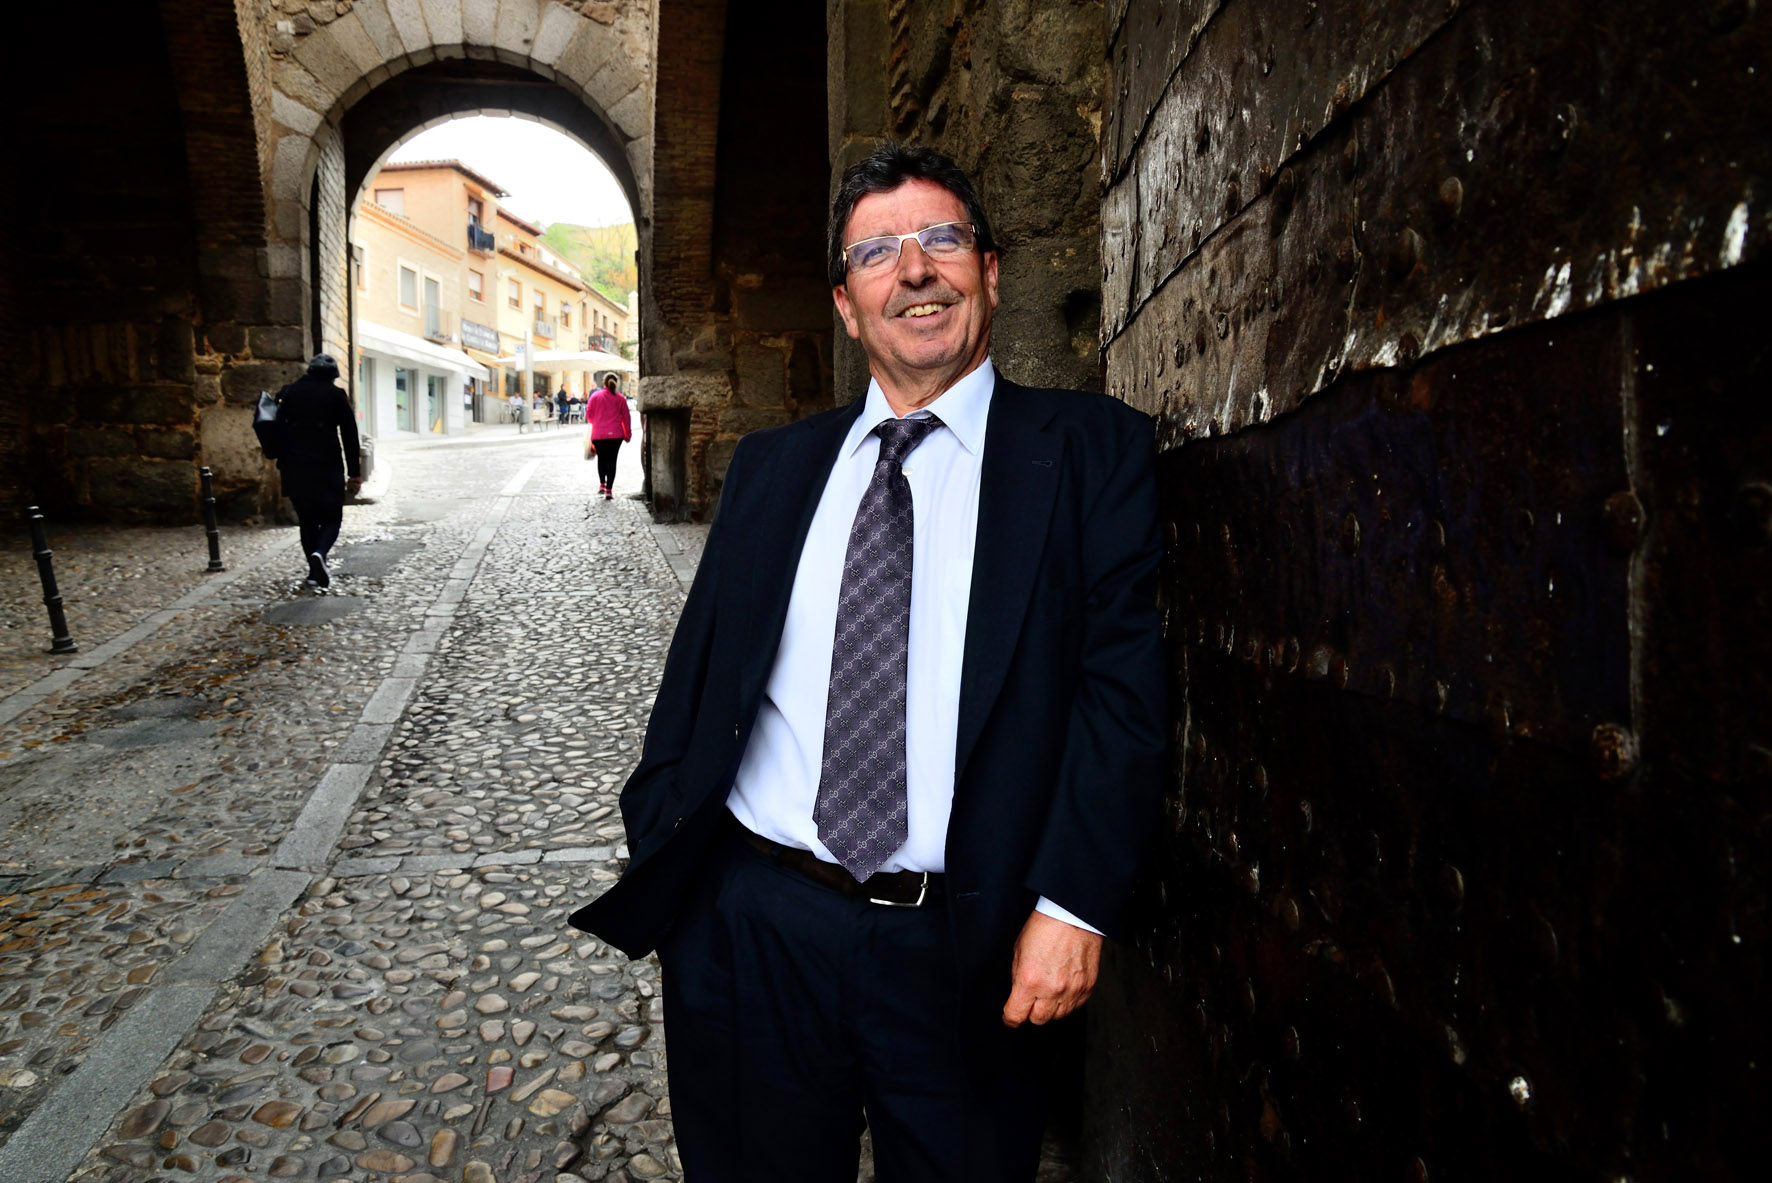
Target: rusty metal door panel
x=1440, y=541
x=1146, y=43
x=1701, y=445
x=1532, y=158
x=1467, y=859
x=1263, y=80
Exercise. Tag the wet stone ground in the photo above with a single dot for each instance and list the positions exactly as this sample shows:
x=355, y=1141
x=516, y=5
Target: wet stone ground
x=433, y=1026
x=73, y=958
x=109, y=577
x=494, y=757
x=423, y=1012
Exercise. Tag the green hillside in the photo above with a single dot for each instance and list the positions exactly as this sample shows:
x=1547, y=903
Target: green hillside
x=604, y=255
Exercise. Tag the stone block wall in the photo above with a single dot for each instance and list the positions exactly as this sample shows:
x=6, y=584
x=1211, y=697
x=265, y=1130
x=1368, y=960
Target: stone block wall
x=1013, y=92
x=329, y=257
x=739, y=326
x=113, y=435
x=100, y=282
x=143, y=241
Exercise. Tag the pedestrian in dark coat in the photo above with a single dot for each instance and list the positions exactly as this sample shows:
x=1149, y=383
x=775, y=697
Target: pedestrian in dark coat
x=320, y=448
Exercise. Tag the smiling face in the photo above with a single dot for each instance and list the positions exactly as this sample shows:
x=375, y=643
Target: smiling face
x=925, y=323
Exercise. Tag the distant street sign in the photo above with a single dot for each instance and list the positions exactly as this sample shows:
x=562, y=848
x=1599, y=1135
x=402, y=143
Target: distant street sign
x=478, y=336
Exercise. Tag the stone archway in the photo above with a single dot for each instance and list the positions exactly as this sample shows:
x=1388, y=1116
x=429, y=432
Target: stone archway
x=341, y=89
x=278, y=108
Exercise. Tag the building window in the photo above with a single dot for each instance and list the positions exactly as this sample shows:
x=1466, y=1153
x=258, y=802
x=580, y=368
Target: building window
x=523, y=248
x=408, y=288
x=392, y=200
x=476, y=210
x=433, y=307
x=565, y=315
x=360, y=258
x=515, y=296
x=476, y=287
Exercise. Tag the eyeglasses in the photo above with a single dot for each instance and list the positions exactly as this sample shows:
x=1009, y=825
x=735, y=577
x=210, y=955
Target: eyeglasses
x=941, y=241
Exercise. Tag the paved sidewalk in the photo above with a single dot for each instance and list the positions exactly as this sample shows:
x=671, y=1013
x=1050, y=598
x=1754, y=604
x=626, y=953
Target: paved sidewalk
x=283, y=875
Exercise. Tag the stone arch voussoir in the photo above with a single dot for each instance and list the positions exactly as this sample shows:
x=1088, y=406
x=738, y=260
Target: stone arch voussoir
x=602, y=54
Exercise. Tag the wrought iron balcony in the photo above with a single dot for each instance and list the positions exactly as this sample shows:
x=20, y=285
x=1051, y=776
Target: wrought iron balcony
x=544, y=329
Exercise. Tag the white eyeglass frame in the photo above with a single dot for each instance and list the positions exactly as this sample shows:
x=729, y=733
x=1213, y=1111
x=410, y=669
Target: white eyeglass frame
x=899, y=240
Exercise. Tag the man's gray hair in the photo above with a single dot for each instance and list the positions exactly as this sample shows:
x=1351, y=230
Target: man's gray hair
x=885, y=169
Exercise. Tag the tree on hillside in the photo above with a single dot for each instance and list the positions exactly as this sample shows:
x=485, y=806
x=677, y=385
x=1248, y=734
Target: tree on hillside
x=604, y=255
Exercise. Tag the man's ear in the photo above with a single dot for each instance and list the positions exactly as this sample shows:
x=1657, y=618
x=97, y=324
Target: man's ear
x=841, y=295
x=990, y=276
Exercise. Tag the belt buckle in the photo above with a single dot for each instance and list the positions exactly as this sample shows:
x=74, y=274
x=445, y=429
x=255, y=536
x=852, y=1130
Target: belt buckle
x=922, y=894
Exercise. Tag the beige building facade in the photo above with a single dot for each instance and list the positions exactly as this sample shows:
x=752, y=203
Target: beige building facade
x=452, y=293
x=412, y=376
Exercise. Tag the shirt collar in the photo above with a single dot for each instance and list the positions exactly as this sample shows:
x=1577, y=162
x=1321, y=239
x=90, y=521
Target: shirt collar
x=962, y=408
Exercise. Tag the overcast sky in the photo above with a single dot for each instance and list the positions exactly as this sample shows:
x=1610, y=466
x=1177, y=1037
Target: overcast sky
x=550, y=176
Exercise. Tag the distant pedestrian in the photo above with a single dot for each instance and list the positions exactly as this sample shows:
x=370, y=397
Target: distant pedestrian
x=522, y=413
x=610, y=428
x=320, y=448
x=560, y=405
x=515, y=406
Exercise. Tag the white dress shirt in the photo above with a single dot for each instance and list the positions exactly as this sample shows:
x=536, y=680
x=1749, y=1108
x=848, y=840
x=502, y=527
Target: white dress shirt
x=777, y=782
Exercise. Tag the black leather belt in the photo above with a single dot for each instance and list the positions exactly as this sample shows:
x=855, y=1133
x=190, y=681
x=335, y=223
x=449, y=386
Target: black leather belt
x=895, y=889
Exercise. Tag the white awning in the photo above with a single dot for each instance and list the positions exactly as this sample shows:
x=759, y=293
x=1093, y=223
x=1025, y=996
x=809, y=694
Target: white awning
x=555, y=361
x=382, y=339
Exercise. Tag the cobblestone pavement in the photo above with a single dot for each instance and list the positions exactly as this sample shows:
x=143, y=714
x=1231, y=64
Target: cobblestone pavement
x=284, y=874
x=380, y=801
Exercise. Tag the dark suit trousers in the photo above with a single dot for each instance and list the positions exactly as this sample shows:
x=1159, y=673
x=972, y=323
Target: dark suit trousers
x=790, y=1010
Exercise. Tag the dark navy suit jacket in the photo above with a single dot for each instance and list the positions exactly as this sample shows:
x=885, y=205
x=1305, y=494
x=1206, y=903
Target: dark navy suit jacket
x=1060, y=751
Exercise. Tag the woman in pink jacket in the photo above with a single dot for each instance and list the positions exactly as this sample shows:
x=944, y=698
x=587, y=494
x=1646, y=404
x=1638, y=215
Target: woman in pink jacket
x=608, y=415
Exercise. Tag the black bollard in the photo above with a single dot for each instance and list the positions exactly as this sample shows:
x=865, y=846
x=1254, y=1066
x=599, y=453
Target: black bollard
x=61, y=642
x=209, y=525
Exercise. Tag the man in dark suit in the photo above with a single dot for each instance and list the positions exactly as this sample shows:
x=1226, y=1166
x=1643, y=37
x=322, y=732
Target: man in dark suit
x=909, y=738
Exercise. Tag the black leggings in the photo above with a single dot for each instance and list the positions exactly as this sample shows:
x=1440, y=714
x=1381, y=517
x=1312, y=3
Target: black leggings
x=606, y=452
x=320, y=521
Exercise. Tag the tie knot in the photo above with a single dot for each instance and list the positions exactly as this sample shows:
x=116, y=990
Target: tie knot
x=899, y=436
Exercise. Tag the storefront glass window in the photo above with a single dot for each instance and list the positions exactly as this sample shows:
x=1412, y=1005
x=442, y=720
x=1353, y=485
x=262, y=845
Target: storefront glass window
x=403, y=408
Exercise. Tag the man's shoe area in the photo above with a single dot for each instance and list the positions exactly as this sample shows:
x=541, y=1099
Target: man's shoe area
x=318, y=575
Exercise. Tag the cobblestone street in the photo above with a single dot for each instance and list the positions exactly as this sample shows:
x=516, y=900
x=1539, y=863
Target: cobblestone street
x=284, y=875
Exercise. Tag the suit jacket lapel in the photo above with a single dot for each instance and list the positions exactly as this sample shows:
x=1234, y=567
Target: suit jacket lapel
x=1022, y=464
x=796, y=480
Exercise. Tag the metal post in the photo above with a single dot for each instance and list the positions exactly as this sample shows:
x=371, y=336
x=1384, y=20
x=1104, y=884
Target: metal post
x=209, y=526
x=61, y=642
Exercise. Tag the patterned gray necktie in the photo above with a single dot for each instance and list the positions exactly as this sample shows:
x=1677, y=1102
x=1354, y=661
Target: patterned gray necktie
x=860, y=810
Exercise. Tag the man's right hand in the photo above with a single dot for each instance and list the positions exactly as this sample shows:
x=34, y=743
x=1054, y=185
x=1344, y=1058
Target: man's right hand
x=1055, y=969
